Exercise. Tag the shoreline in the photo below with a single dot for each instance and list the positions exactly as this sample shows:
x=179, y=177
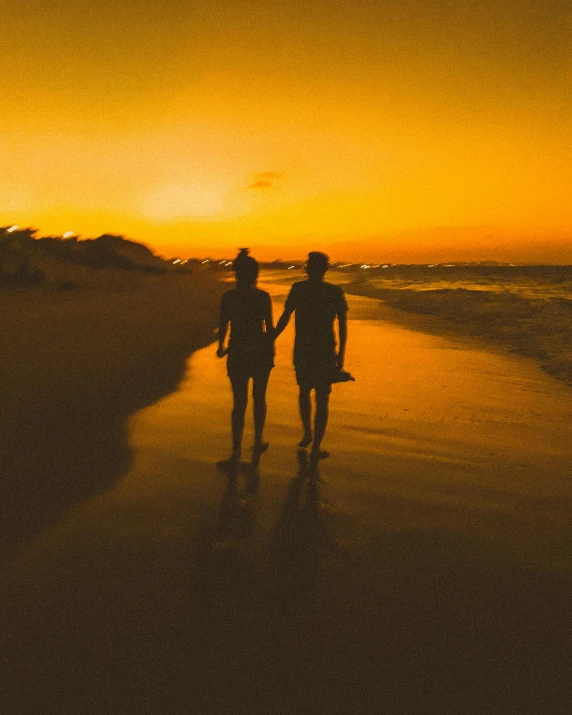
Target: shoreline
x=75, y=367
x=538, y=330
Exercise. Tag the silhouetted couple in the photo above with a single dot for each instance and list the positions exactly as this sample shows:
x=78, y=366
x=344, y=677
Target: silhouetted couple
x=250, y=350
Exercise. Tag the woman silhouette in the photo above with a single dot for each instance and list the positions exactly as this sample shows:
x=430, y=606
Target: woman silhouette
x=250, y=352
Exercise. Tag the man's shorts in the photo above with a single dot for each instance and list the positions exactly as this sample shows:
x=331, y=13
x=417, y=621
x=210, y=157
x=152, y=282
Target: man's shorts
x=316, y=374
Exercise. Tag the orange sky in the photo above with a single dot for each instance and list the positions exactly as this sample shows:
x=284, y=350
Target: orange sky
x=399, y=130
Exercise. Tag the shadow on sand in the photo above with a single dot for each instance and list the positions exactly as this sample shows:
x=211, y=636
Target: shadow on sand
x=261, y=612
x=63, y=443
x=417, y=620
x=226, y=553
x=296, y=545
x=251, y=600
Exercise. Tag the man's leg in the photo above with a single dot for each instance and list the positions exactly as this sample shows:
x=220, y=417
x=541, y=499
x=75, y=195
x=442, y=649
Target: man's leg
x=321, y=420
x=306, y=415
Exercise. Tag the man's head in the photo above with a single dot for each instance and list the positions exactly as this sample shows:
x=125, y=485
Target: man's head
x=317, y=264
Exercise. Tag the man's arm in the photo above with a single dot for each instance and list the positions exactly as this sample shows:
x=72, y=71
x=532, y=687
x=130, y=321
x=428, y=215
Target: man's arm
x=343, y=335
x=222, y=330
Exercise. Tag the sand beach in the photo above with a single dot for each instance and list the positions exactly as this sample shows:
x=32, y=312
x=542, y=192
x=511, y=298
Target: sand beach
x=425, y=567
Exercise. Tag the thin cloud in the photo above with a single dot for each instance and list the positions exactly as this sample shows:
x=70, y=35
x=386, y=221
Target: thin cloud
x=265, y=179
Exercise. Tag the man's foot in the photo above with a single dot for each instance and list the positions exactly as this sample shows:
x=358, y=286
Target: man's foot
x=306, y=441
x=228, y=465
x=319, y=454
x=260, y=448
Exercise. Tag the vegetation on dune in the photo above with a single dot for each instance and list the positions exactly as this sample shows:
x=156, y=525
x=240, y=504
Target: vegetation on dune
x=71, y=262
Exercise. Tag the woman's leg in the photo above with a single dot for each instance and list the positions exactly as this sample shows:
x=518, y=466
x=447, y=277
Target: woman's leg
x=259, y=385
x=239, y=384
x=305, y=415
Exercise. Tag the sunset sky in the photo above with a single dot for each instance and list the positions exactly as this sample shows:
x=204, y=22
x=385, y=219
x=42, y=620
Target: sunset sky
x=397, y=130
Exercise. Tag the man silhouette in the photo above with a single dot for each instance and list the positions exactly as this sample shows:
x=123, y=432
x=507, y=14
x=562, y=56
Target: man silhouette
x=317, y=304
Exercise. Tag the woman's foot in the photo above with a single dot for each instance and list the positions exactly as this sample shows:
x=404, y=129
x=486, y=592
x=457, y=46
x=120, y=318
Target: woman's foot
x=252, y=480
x=259, y=449
x=306, y=441
x=319, y=454
x=230, y=464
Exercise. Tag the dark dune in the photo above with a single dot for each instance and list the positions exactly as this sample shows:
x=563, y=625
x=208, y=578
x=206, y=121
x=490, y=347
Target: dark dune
x=74, y=366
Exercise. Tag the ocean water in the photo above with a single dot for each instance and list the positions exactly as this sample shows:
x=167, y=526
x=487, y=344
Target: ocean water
x=527, y=309
x=543, y=282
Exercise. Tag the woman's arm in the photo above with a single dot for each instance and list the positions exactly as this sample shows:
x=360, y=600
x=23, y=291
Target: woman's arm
x=268, y=319
x=289, y=308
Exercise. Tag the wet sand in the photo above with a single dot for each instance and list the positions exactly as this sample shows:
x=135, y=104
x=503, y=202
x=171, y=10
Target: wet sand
x=424, y=568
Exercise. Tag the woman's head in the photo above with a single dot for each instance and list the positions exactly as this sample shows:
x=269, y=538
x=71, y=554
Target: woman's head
x=245, y=268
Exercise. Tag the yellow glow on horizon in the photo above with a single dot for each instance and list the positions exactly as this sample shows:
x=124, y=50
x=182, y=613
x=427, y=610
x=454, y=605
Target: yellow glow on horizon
x=177, y=202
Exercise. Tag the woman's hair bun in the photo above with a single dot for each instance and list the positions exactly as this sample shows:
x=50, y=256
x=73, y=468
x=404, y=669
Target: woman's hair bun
x=245, y=267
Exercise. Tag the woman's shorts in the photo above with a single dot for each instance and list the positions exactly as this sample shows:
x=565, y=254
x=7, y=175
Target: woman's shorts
x=238, y=367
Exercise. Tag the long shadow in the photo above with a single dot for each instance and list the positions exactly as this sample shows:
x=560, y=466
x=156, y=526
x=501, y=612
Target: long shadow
x=224, y=559
x=296, y=544
x=248, y=623
x=55, y=452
